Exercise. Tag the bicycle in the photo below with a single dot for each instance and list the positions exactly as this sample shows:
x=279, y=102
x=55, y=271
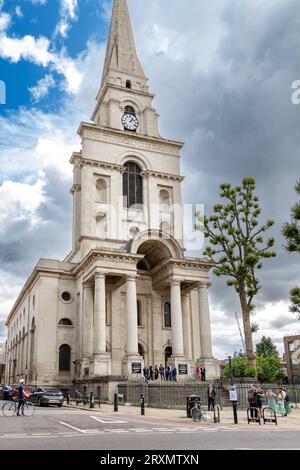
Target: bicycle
x=11, y=408
x=198, y=413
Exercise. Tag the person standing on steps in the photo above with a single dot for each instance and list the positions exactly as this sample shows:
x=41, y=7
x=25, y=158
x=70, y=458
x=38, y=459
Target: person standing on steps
x=211, y=396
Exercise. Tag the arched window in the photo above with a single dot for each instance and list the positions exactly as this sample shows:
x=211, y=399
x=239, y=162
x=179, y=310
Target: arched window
x=129, y=110
x=65, y=322
x=132, y=185
x=65, y=358
x=139, y=313
x=167, y=315
x=128, y=84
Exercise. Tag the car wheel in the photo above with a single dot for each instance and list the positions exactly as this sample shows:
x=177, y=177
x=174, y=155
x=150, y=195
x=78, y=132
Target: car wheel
x=60, y=405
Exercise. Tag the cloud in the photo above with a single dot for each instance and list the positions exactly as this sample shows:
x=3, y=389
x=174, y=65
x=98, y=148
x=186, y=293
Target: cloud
x=37, y=51
x=19, y=12
x=67, y=15
x=5, y=20
x=42, y=87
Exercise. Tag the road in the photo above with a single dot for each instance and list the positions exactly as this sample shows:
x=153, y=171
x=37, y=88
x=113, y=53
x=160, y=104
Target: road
x=61, y=429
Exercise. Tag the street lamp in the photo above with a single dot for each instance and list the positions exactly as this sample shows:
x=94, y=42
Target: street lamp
x=9, y=366
x=230, y=369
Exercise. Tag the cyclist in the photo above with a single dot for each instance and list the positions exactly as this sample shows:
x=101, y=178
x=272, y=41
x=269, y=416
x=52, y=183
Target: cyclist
x=21, y=397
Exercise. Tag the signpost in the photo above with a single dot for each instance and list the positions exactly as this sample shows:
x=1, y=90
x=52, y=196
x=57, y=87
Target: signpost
x=233, y=398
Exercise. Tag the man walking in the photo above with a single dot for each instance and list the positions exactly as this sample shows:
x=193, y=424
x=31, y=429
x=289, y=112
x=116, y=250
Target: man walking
x=162, y=372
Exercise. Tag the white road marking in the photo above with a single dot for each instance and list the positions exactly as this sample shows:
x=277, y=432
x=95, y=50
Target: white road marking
x=72, y=427
x=105, y=420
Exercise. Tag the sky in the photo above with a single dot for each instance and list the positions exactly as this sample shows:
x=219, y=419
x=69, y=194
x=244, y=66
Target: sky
x=222, y=72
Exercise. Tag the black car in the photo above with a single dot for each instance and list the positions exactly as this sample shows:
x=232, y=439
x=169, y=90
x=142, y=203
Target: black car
x=6, y=392
x=45, y=396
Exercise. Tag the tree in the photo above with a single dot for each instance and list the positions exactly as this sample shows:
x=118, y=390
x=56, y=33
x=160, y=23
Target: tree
x=237, y=246
x=266, y=348
x=239, y=367
x=291, y=231
x=269, y=369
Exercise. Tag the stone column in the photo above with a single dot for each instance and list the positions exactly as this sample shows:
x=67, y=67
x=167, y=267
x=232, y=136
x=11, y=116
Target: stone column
x=176, y=316
x=99, y=315
x=186, y=315
x=205, y=328
x=88, y=321
x=131, y=316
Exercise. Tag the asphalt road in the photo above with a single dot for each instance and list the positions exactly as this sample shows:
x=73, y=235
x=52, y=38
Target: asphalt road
x=68, y=429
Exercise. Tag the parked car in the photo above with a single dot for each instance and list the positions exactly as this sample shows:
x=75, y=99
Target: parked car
x=28, y=391
x=47, y=396
x=6, y=392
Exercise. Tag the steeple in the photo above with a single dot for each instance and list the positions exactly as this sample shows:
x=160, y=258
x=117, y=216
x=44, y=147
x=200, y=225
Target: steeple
x=121, y=52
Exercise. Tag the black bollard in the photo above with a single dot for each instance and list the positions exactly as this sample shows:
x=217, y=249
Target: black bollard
x=235, y=416
x=116, y=404
x=142, y=405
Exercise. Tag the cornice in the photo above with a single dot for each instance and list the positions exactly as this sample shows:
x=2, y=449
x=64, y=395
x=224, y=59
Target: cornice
x=95, y=255
x=194, y=265
x=140, y=141
x=164, y=176
x=104, y=165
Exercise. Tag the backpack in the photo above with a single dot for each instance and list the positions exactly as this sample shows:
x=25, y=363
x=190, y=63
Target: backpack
x=251, y=397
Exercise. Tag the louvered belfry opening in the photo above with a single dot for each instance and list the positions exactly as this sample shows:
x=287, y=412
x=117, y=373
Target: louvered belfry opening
x=132, y=185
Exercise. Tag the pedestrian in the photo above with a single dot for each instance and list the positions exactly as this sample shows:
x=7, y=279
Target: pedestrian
x=203, y=374
x=146, y=374
x=21, y=397
x=211, y=396
x=287, y=406
x=156, y=373
x=271, y=400
x=252, y=400
x=174, y=373
x=280, y=403
x=198, y=373
x=150, y=373
x=162, y=372
x=259, y=398
x=169, y=373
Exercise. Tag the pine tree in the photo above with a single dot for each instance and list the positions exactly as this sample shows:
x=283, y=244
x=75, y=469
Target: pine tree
x=266, y=348
x=291, y=231
x=237, y=247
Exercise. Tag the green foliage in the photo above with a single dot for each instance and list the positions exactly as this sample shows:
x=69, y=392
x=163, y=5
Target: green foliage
x=237, y=246
x=291, y=231
x=269, y=369
x=266, y=348
x=240, y=367
x=295, y=298
x=254, y=327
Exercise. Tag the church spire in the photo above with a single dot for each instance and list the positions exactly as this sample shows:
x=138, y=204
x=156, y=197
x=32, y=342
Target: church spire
x=121, y=52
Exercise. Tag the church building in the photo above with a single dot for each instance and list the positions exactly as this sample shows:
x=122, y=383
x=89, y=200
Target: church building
x=126, y=296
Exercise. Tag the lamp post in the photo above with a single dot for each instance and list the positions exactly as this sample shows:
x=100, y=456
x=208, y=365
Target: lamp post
x=9, y=366
x=233, y=393
x=230, y=370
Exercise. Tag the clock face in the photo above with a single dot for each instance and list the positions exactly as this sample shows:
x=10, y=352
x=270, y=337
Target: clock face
x=130, y=122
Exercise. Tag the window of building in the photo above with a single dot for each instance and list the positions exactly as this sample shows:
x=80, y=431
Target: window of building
x=66, y=296
x=164, y=199
x=139, y=313
x=33, y=301
x=128, y=84
x=167, y=315
x=65, y=358
x=129, y=110
x=65, y=322
x=132, y=185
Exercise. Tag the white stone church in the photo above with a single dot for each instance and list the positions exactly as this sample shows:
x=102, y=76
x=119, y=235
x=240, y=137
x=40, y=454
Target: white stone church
x=126, y=296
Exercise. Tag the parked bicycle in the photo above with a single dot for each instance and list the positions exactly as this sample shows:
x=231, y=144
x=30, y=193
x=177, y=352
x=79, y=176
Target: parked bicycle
x=198, y=413
x=11, y=408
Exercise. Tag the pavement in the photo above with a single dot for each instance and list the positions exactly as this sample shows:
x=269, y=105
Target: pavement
x=175, y=416
x=83, y=428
